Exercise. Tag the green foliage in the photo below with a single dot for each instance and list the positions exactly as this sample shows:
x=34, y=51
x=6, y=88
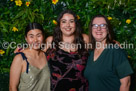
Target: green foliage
x=44, y=12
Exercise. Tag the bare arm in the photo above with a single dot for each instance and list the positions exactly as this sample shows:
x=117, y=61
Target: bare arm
x=15, y=72
x=86, y=40
x=125, y=83
x=48, y=43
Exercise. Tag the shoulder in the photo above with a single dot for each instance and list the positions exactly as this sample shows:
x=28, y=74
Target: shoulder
x=115, y=48
x=18, y=57
x=85, y=38
x=18, y=60
x=49, y=39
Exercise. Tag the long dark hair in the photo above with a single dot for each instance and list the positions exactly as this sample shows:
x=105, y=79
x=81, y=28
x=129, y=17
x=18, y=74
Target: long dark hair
x=109, y=38
x=78, y=38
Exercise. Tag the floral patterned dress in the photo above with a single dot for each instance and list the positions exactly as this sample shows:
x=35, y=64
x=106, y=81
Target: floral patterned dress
x=67, y=70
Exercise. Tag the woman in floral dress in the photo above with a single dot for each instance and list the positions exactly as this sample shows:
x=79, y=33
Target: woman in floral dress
x=67, y=54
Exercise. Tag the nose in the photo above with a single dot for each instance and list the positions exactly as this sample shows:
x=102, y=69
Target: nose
x=99, y=28
x=68, y=24
x=35, y=39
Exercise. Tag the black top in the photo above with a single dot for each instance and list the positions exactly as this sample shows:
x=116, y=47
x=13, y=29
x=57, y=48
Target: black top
x=67, y=70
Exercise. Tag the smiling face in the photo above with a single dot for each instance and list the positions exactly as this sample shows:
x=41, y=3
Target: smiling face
x=34, y=38
x=67, y=24
x=99, y=33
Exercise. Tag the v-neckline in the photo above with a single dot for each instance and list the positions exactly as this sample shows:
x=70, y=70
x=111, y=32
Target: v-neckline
x=37, y=67
x=72, y=52
x=98, y=57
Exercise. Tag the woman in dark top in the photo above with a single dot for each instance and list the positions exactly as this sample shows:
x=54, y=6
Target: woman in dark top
x=66, y=62
x=107, y=67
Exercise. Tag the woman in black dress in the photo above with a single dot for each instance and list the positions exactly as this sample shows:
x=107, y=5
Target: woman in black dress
x=67, y=55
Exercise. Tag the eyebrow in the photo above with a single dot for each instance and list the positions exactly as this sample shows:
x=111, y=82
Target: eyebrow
x=30, y=34
x=99, y=24
x=33, y=34
x=65, y=19
x=38, y=33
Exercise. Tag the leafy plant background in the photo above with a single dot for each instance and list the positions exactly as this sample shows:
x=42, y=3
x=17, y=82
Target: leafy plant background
x=44, y=12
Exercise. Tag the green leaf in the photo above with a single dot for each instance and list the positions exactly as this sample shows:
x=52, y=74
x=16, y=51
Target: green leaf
x=42, y=16
x=7, y=51
x=4, y=29
x=36, y=10
x=21, y=13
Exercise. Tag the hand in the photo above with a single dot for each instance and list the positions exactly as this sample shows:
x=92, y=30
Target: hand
x=18, y=50
x=118, y=43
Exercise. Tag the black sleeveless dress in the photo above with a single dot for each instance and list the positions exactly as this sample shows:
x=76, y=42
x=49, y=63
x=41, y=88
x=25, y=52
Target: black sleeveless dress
x=67, y=70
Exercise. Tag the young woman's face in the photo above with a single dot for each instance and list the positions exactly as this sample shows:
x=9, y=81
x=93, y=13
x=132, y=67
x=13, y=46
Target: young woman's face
x=34, y=38
x=99, y=29
x=67, y=24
